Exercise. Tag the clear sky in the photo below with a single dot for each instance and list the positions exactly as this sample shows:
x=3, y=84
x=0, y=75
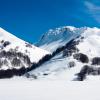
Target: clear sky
x=29, y=19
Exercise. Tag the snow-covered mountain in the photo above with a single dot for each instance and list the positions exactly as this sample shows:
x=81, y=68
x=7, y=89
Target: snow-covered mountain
x=75, y=54
x=16, y=54
x=70, y=53
x=56, y=38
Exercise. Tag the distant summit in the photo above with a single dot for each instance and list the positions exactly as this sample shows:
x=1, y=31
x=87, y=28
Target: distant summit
x=55, y=38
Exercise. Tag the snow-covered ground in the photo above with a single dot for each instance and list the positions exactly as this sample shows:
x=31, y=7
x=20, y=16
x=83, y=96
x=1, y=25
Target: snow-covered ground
x=23, y=89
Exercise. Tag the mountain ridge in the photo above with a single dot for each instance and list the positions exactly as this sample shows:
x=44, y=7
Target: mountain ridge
x=16, y=55
x=75, y=60
x=69, y=53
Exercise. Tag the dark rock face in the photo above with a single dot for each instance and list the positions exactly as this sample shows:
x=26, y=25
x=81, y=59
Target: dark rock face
x=96, y=61
x=81, y=57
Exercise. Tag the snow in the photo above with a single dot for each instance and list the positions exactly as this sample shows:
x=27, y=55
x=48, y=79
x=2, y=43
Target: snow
x=91, y=42
x=10, y=37
x=33, y=52
x=57, y=67
x=22, y=89
x=58, y=37
x=72, y=28
x=58, y=84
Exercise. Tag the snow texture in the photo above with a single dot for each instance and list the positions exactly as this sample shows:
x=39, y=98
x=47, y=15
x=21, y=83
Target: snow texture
x=21, y=89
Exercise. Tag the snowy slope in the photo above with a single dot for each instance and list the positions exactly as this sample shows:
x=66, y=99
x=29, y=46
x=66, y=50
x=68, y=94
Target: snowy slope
x=16, y=53
x=20, y=89
x=58, y=37
x=72, y=60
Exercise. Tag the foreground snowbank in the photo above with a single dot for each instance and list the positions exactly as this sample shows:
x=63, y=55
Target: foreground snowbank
x=23, y=89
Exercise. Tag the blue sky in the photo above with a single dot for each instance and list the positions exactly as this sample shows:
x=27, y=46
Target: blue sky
x=29, y=19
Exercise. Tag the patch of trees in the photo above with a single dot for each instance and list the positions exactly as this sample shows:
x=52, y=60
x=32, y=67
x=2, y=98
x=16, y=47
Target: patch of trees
x=69, y=48
x=3, y=62
x=11, y=72
x=71, y=64
x=68, y=52
x=82, y=74
x=15, y=57
x=18, y=72
x=96, y=61
x=16, y=62
x=87, y=70
x=6, y=43
x=81, y=57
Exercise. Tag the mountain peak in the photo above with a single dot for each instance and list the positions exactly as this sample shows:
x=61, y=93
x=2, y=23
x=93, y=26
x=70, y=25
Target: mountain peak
x=59, y=36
